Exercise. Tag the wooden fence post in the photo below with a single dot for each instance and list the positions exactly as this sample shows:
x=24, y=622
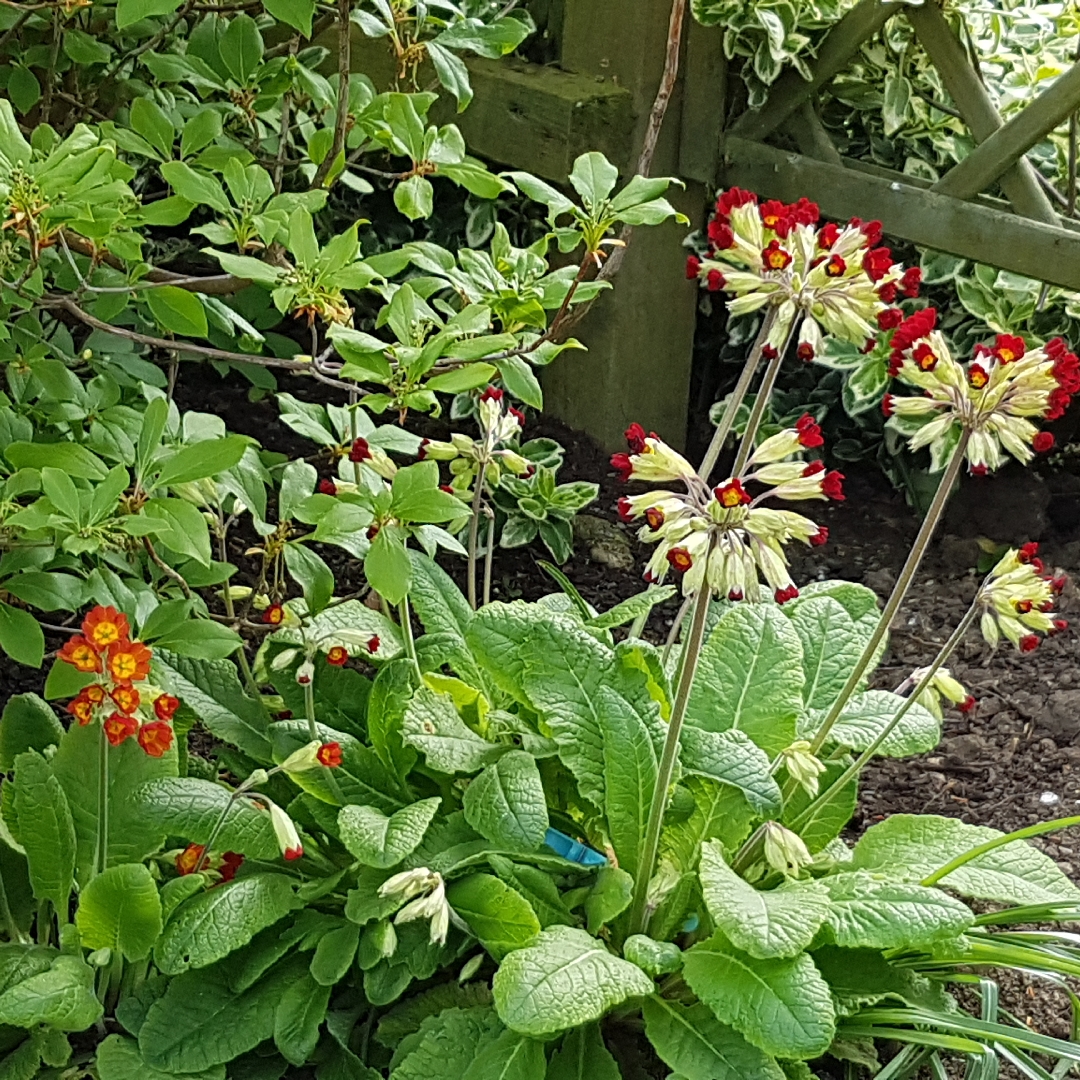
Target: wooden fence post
x=639, y=335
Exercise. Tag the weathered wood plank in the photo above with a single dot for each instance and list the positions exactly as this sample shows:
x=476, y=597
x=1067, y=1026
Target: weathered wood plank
x=973, y=101
x=991, y=158
x=968, y=229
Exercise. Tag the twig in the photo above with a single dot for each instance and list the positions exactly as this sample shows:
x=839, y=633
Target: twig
x=933, y=102
x=19, y=24
x=317, y=28
x=341, y=122
x=166, y=569
x=286, y=117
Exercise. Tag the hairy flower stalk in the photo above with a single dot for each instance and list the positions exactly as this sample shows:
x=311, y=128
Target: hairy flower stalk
x=816, y=282
x=639, y=910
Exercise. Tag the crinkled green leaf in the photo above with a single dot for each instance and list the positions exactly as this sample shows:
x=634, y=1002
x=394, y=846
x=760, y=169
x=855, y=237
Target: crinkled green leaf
x=120, y=910
x=567, y=978
x=867, y=714
x=380, y=841
x=731, y=758
x=433, y=726
x=62, y=997
x=46, y=829
x=214, y=923
x=781, y=1006
x=910, y=847
x=497, y=914
x=506, y=803
x=767, y=924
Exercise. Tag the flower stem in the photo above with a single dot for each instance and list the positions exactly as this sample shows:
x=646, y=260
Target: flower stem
x=857, y=766
x=639, y=914
x=313, y=731
x=407, y=634
x=761, y=403
x=738, y=395
x=474, y=532
x=900, y=590
x=101, y=850
x=489, y=556
x=14, y=933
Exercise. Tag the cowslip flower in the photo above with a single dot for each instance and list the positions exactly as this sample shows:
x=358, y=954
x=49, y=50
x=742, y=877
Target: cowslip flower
x=105, y=648
x=835, y=279
x=724, y=537
x=994, y=397
x=224, y=865
x=942, y=689
x=429, y=890
x=785, y=851
x=285, y=831
x=803, y=767
x=1017, y=600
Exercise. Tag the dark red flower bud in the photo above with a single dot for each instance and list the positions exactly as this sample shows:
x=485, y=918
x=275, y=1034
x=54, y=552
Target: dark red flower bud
x=360, y=451
x=693, y=267
x=831, y=486
x=820, y=537
x=1029, y=643
x=327, y=487
x=1043, y=442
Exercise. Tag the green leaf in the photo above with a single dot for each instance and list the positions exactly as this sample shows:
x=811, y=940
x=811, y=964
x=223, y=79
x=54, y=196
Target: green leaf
x=190, y=808
x=46, y=829
x=467, y=377
x=20, y=636
x=181, y=527
x=201, y=130
x=827, y=821
x=177, y=310
x=443, y=609
x=63, y=997
x=433, y=726
x=195, y=186
x=380, y=841
x=152, y=123
x=498, y=915
x=119, y=1059
x=506, y=805
x=23, y=88
x=415, y=197
x=334, y=955
x=72, y=458
x=832, y=642
x=241, y=47
x=312, y=574
x=129, y=12
x=567, y=978
x=302, y=241
x=593, y=177
x=633, y=607
x=780, y=922
x=212, y=691
x=630, y=768
x=867, y=715
x=781, y=1006
x=27, y=723
x=583, y=1056
x=446, y=1044
x=509, y=1057
x=896, y=99
x=201, y=1022
x=697, y=1046
x=297, y=13
x=390, y=696
x=387, y=565
x=731, y=758
x=202, y=459
x=14, y=148
x=120, y=910
x=452, y=73
x=519, y=379
x=47, y=591
x=609, y=897
x=298, y=1018
x=910, y=847
x=653, y=957
x=213, y=924
x=201, y=640
x=750, y=677
x=869, y=912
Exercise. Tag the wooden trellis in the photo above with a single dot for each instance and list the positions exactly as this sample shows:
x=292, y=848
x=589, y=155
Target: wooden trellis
x=598, y=95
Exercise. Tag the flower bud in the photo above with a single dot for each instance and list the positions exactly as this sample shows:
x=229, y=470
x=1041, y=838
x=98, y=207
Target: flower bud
x=285, y=831
x=785, y=851
x=803, y=766
x=303, y=759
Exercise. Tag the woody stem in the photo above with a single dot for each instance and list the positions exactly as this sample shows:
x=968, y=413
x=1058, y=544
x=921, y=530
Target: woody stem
x=738, y=395
x=900, y=590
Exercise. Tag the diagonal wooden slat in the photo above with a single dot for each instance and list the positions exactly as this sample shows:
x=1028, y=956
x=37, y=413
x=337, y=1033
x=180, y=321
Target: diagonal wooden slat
x=838, y=47
x=976, y=106
x=991, y=158
x=971, y=230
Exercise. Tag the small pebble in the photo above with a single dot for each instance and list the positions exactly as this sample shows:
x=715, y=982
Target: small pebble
x=1048, y=798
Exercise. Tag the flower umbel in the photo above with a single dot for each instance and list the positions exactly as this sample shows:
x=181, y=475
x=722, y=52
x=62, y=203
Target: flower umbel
x=105, y=648
x=724, y=536
x=995, y=397
x=1017, y=600
x=430, y=902
x=836, y=279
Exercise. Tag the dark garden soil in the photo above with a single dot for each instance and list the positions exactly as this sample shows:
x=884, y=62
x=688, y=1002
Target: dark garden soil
x=1011, y=763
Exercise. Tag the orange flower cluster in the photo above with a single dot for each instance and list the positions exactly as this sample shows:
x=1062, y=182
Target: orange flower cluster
x=105, y=648
x=224, y=865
